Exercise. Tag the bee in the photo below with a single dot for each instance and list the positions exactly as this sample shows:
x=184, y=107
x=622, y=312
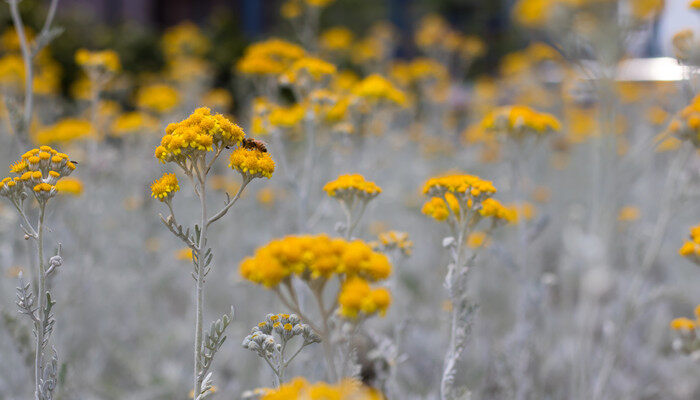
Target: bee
x=74, y=162
x=254, y=144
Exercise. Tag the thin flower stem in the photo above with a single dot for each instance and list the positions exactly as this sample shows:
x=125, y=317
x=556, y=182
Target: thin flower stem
x=200, y=289
x=41, y=295
x=230, y=203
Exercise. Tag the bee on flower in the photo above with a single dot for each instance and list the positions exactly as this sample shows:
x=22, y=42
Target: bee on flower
x=194, y=145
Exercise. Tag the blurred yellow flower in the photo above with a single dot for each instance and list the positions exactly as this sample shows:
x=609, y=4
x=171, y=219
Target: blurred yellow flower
x=159, y=98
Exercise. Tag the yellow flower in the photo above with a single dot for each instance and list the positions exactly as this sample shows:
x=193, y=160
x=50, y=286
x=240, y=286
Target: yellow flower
x=337, y=38
x=158, y=98
x=476, y=239
x=356, y=298
x=436, y=208
x=683, y=324
x=287, y=117
x=39, y=169
x=377, y=88
x=314, y=257
x=628, y=214
x=218, y=98
x=311, y=67
x=686, y=124
x=165, y=187
x=65, y=130
x=133, y=122
x=101, y=61
x=461, y=184
x=184, y=254
x=269, y=57
x=197, y=134
x=520, y=120
x=300, y=389
x=71, y=186
x=252, y=163
x=184, y=40
x=691, y=248
x=493, y=208
x=396, y=240
x=352, y=185
x=695, y=4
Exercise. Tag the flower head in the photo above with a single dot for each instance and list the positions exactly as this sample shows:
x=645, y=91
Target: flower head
x=520, y=121
x=314, y=257
x=357, y=298
x=686, y=124
x=194, y=136
x=105, y=61
x=39, y=169
x=164, y=188
x=352, y=185
x=252, y=163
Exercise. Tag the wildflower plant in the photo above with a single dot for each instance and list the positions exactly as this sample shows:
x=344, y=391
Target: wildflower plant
x=353, y=193
x=194, y=145
x=36, y=174
x=271, y=337
x=462, y=202
x=319, y=262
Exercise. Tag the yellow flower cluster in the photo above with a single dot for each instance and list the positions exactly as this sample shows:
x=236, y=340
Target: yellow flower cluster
x=688, y=331
x=312, y=257
x=357, y=298
x=159, y=98
x=164, y=188
x=493, y=208
x=65, y=130
x=103, y=61
x=338, y=38
x=300, y=389
x=310, y=67
x=197, y=134
x=695, y=4
x=133, y=122
x=458, y=194
x=39, y=170
x=691, y=248
x=269, y=57
x=252, y=163
x=377, y=88
x=184, y=40
x=71, y=186
x=391, y=240
x=434, y=33
x=686, y=125
x=461, y=184
x=287, y=117
x=352, y=185
x=519, y=120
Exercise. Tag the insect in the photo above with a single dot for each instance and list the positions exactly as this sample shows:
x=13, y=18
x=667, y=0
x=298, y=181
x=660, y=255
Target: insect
x=254, y=144
x=74, y=162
